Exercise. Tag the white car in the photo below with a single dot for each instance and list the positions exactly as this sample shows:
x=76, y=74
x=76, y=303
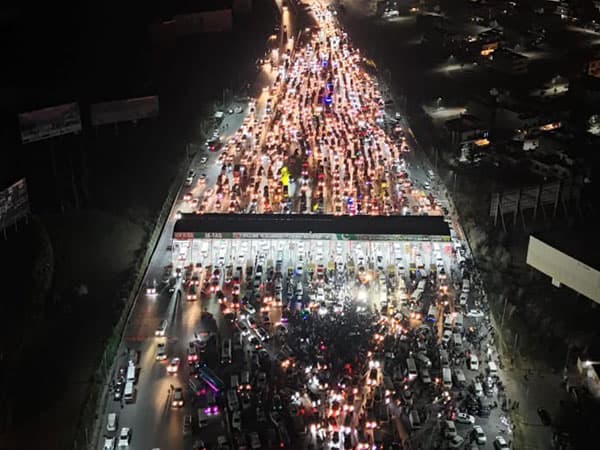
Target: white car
x=500, y=443
x=124, y=437
x=111, y=422
x=475, y=313
x=162, y=328
x=479, y=435
x=465, y=418
x=446, y=336
x=463, y=298
x=473, y=363
x=109, y=443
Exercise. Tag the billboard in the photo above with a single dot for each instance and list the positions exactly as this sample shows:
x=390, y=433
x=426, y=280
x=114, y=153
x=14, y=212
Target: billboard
x=564, y=269
x=49, y=122
x=124, y=110
x=14, y=203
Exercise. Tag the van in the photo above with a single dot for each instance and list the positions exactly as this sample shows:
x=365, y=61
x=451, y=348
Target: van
x=226, y=352
x=477, y=389
x=447, y=377
x=423, y=359
x=457, y=341
x=492, y=369
x=234, y=381
x=459, y=377
x=112, y=422
x=412, y=368
x=202, y=419
x=458, y=322
x=129, y=392
x=232, y=400
x=245, y=380
x=195, y=385
x=131, y=372
x=415, y=421
x=466, y=286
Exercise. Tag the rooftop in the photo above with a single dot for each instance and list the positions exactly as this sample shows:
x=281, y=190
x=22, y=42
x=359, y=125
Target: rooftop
x=309, y=223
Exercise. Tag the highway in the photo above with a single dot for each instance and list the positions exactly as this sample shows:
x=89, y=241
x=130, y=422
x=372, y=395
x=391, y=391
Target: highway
x=291, y=123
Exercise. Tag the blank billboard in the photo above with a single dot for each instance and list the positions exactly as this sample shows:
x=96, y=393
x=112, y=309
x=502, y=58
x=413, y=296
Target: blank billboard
x=49, y=122
x=124, y=110
x=14, y=203
x=564, y=269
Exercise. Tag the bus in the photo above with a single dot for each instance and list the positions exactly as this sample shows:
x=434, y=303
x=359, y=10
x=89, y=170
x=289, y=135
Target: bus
x=211, y=379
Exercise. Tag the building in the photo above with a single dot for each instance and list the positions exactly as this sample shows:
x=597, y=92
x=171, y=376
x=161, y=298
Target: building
x=569, y=259
x=508, y=62
x=468, y=134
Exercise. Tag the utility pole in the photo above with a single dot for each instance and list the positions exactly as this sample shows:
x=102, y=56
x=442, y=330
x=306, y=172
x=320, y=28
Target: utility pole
x=503, y=312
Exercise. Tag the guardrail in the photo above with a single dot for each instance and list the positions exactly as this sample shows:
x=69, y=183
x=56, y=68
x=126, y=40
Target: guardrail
x=90, y=420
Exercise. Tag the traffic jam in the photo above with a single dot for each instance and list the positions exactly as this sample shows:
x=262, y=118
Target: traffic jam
x=314, y=141
x=342, y=345
x=305, y=343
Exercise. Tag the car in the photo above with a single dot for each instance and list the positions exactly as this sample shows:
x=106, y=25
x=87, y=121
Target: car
x=462, y=417
x=199, y=445
x=203, y=160
x=246, y=401
x=479, y=435
x=109, y=443
x=222, y=442
x=261, y=380
x=446, y=336
x=473, y=362
x=249, y=308
x=450, y=430
x=187, y=425
x=500, y=443
x=190, y=178
x=254, y=441
x=544, y=417
x=177, y=400
x=161, y=329
x=173, y=366
x=260, y=415
x=124, y=437
x=111, y=422
x=475, y=313
x=161, y=353
x=236, y=421
x=456, y=442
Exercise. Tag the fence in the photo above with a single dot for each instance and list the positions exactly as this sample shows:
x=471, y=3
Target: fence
x=89, y=420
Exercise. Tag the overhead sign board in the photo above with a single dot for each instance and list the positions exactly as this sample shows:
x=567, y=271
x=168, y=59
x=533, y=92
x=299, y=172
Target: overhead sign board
x=128, y=110
x=49, y=122
x=14, y=203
